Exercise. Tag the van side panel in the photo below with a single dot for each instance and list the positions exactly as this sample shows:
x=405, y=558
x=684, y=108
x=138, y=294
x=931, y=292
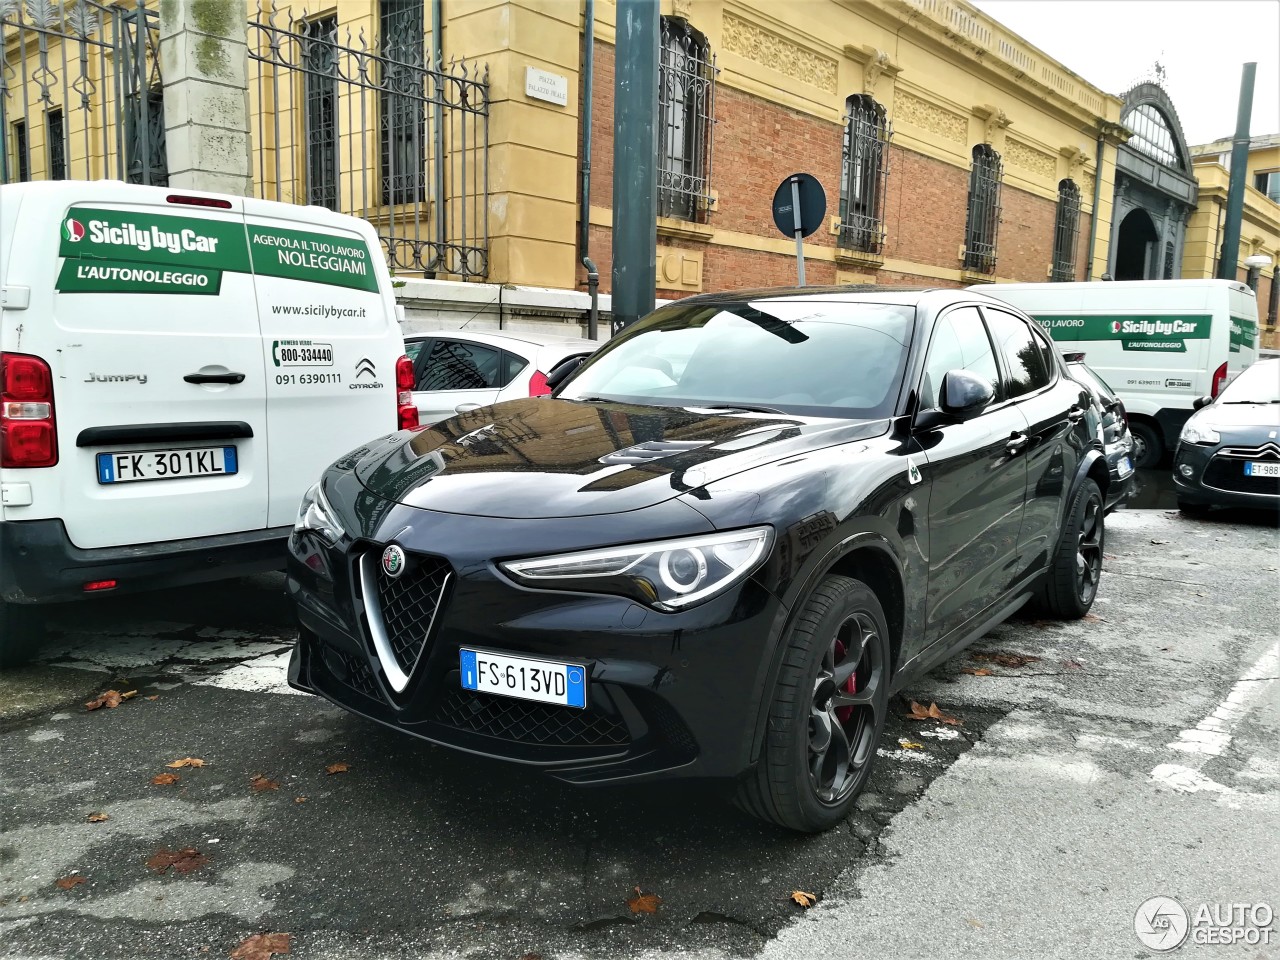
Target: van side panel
x=1243, y=341
x=330, y=342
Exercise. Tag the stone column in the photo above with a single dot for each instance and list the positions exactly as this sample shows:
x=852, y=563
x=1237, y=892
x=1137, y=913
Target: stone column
x=204, y=62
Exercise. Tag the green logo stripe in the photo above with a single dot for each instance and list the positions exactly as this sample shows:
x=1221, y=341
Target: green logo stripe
x=102, y=276
x=1244, y=333
x=1145, y=331
x=318, y=257
x=119, y=235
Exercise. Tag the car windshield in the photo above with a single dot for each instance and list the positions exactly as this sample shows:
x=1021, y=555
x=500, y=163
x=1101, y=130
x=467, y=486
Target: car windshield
x=806, y=357
x=1260, y=383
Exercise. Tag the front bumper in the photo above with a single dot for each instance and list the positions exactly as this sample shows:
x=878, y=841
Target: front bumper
x=1214, y=475
x=669, y=694
x=40, y=564
x=1120, y=466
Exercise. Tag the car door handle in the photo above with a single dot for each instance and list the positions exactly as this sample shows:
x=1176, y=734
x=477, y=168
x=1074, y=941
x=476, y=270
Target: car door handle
x=466, y=407
x=214, y=378
x=1017, y=443
x=1075, y=414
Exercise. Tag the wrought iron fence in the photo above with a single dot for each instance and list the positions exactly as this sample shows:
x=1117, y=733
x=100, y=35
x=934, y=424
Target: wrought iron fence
x=686, y=112
x=80, y=91
x=366, y=125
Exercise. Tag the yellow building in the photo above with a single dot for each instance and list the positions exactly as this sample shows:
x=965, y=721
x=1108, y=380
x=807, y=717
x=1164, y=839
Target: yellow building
x=1259, y=227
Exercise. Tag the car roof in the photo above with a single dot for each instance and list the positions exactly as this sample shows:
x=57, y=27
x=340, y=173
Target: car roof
x=851, y=293
x=512, y=340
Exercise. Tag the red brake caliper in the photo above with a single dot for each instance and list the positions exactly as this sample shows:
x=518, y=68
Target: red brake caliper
x=851, y=685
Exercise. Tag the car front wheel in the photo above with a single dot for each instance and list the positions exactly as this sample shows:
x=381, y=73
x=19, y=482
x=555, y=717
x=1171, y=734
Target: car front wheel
x=1071, y=584
x=827, y=713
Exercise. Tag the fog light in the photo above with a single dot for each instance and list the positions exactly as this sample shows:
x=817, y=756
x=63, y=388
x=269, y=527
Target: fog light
x=1186, y=470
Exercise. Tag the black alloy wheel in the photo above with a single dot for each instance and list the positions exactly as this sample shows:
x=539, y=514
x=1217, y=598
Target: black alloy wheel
x=828, y=712
x=1071, y=584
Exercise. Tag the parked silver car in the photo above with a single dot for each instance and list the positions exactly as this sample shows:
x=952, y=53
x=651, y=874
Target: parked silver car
x=1113, y=428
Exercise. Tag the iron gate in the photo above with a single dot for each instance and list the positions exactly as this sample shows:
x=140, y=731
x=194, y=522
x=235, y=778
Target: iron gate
x=80, y=92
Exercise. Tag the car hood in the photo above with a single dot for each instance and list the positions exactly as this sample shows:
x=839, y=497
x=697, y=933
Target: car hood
x=1241, y=415
x=545, y=457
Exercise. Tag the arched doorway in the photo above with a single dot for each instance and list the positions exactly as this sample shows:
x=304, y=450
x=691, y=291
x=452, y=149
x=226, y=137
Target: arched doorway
x=1136, y=247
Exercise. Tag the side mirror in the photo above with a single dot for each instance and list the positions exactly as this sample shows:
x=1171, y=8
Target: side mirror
x=1201, y=402
x=964, y=395
x=563, y=370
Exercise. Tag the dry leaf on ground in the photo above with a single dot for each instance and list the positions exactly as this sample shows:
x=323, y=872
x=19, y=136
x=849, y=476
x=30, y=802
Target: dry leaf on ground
x=66, y=883
x=1094, y=618
x=99, y=817
x=186, y=762
x=260, y=783
x=977, y=671
x=931, y=713
x=156, y=697
x=1073, y=664
x=262, y=946
x=805, y=900
x=337, y=768
x=299, y=799
x=910, y=745
x=1013, y=660
x=181, y=861
x=165, y=779
x=644, y=902
x=109, y=699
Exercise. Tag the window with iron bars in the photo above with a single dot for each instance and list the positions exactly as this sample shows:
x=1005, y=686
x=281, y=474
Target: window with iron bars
x=320, y=92
x=403, y=115
x=1168, y=260
x=56, y=138
x=686, y=111
x=865, y=172
x=983, y=223
x=20, y=171
x=1065, y=229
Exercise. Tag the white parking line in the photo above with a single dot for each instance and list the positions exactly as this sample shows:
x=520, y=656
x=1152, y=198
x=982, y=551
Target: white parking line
x=1210, y=737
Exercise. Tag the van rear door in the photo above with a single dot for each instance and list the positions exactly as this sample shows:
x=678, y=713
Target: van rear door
x=146, y=320
x=330, y=342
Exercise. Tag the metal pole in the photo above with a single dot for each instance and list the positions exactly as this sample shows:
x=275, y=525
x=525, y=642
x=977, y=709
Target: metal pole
x=635, y=150
x=1097, y=196
x=1239, y=173
x=584, y=214
x=795, y=220
x=438, y=264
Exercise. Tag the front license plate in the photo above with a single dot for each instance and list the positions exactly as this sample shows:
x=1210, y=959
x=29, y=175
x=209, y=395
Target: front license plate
x=1253, y=469
x=1125, y=465
x=524, y=679
x=166, y=464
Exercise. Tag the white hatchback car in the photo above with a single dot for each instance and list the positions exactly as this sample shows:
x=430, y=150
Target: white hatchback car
x=456, y=370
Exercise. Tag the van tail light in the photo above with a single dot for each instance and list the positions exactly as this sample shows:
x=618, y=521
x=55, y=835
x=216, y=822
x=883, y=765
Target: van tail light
x=198, y=201
x=406, y=411
x=28, y=434
x=538, y=385
x=1219, y=381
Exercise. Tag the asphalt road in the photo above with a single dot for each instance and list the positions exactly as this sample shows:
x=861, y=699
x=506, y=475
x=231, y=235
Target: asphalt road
x=1138, y=756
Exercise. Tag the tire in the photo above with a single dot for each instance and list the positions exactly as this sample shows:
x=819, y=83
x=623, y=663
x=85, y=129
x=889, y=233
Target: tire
x=1190, y=509
x=1071, y=584
x=21, y=630
x=823, y=696
x=1148, y=448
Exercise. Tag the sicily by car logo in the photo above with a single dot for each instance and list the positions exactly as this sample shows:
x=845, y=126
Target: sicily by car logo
x=73, y=230
x=393, y=561
x=1115, y=326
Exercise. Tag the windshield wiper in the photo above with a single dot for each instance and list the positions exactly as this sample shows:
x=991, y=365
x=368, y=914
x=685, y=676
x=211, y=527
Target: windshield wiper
x=744, y=407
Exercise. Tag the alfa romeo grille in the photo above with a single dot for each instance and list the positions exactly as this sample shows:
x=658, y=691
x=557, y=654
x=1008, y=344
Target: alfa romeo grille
x=523, y=721
x=408, y=604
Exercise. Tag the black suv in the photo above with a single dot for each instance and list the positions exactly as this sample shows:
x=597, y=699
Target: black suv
x=716, y=551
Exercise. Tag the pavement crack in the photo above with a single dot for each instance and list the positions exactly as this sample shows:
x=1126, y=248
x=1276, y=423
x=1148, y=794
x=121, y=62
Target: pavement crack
x=1146, y=576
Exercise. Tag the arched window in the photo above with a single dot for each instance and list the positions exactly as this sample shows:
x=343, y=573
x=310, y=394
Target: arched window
x=1065, y=230
x=862, y=180
x=686, y=106
x=1153, y=135
x=984, y=210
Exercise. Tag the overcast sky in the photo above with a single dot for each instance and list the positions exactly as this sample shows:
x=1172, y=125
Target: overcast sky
x=1201, y=43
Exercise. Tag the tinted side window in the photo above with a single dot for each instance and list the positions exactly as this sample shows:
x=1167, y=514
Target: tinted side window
x=1022, y=353
x=511, y=365
x=959, y=343
x=412, y=348
x=460, y=366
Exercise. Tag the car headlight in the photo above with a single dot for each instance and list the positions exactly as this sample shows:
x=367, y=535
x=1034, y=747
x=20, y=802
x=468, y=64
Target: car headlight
x=666, y=575
x=315, y=514
x=1199, y=433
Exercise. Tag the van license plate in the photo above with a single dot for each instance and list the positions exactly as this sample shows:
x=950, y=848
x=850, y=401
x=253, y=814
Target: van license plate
x=166, y=464
x=540, y=680
x=1253, y=469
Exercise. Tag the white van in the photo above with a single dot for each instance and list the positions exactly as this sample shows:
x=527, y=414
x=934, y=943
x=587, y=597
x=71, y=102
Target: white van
x=1160, y=344
x=177, y=369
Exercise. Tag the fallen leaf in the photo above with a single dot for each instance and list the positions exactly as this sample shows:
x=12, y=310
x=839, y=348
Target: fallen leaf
x=1073, y=664
x=1094, y=618
x=644, y=902
x=98, y=818
x=262, y=946
x=109, y=699
x=66, y=883
x=186, y=762
x=977, y=671
x=128, y=694
x=1012, y=660
x=1108, y=556
x=164, y=779
x=260, y=783
x=531, y=956
x=1159, y=542
x=805, y=900
x=931, y=713
x=156, y=697
x=976, y=924
x=336, y=768
x=910, y=745
x=299, y=799
x=182, y=861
